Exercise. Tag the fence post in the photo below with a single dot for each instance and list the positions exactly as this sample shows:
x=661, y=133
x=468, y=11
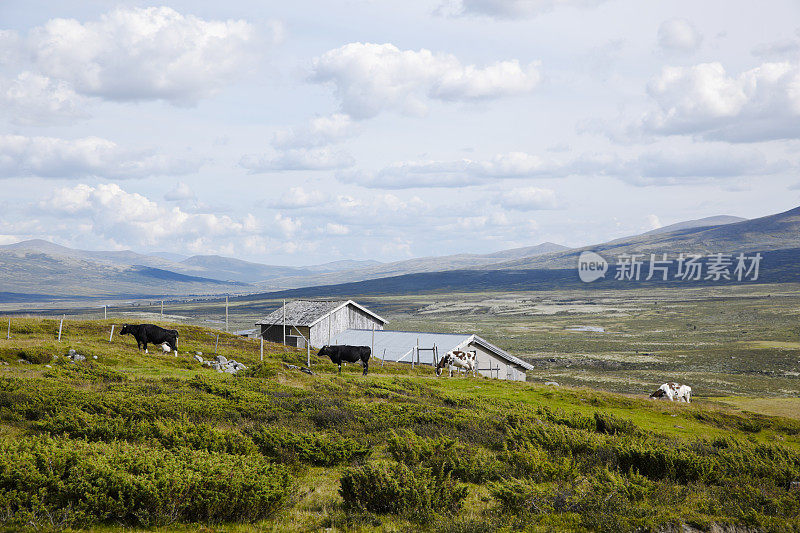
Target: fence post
x=105, y=312
x=8, y=333
x=262, y=348
x=162, y=308
x=372, y=348
x=216, y=344
x=383, y=359
x=284, y=323
x=112, y=333
x=60, y=325
x=226, y=314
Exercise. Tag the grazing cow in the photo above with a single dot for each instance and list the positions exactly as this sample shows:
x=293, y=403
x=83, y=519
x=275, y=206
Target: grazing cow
x=459, y=359
x=150, y=333
x=673, y=392
x=350, y=354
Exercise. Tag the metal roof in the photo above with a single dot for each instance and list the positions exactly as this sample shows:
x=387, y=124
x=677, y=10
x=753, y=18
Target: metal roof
x=399, y=345
x=309, y=312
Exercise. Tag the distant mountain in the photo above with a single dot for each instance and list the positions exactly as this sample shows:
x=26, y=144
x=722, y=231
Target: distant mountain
x=169, y=256
x=718, y=220
x=412, y=266
x=29, y=274
x=769, y=233
x=345, y=264
x=227, y=268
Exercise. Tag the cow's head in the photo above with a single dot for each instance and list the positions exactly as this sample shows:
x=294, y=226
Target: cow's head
x=659, y=393
x=126, y=329
x=325, y=350
x=443, y=362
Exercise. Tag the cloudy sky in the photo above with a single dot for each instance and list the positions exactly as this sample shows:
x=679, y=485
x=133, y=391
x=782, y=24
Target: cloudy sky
x=311, y=131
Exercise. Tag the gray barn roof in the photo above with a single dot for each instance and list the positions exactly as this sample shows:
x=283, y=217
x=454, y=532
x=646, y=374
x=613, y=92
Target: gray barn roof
x=398, y=345
x=309, y=312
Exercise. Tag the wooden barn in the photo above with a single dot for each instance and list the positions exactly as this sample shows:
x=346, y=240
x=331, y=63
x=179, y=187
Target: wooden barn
x=317, y=321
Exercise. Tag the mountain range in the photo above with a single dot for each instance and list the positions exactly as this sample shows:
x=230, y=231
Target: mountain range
x=37, y=269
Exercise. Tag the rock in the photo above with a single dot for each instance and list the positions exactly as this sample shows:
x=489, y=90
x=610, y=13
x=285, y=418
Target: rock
x=94, y=357
x=552, y=383
x=307, y=371
x=206, y=363
x=71, y=352
x=198, y=358
x=23, y=361
x=216, y=366
x=78, y=357
x=221, y=359
x=230, y=370
x=48, y=366
x=198, y=353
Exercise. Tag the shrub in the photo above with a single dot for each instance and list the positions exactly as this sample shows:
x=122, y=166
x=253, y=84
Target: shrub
x=49, y=483
x=395, y=488
x=311, y=448
x=611, y=425
x=473, y=464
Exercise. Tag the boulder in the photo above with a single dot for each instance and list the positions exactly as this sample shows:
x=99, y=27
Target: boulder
x=198, y=353
x=198, y=358
x=94, y=357
x=221, y=359
x=23, y=361
x=552, y=383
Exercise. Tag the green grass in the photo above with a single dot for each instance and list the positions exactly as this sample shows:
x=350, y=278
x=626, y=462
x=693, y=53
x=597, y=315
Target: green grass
x=121, y=441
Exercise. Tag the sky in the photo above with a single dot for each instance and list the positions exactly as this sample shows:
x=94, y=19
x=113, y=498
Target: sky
x=304, y=132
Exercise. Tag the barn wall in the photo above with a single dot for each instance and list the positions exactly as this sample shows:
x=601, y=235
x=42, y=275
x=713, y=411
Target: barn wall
x=500, y=368
x=348, y=317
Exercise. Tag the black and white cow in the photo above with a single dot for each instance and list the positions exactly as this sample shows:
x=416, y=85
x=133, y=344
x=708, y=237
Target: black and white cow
x=150, y=333
x=459, y=359
x=349, y=354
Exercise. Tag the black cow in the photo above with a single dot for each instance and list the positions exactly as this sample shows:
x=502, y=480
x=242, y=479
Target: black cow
x=350, y=354
x=150, y=333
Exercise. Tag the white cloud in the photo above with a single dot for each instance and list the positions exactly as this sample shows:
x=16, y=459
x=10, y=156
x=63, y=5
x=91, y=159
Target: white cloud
x=464, y=172
x=332, y=228
x=678, y=35
x=287, y=226
x=653, y=222
x=51, y=157
x=113, y=213
x=33, y=99
x=779, y=50
x=759, y=104
x=144, y=54
x=510, y=9
x=319, y=131
x=369, y=78
x=298, y=198
x=661, y=166
x=298, y=159
x=528, y=199
x=9, y=46
x=180, y=192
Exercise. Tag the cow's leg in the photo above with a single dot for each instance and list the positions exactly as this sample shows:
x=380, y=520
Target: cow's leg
x=340, y=368
x=145, y=348
x=366, y=367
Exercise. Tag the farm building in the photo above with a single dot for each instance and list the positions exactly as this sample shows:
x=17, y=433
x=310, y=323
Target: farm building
x=317, y=321
x=427, y=348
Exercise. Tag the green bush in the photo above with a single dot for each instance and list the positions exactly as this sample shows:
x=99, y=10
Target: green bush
x=50, y=483
x=395, y=488
x=316, y=449
x=473, y=464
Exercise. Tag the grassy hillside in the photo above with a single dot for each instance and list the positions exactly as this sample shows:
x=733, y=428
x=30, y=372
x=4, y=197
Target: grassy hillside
x=132, y=440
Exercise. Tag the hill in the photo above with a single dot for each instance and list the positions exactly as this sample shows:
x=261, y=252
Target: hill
x=770, y=233
x=718, y=220
x=121, y=440
x=34, y=275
